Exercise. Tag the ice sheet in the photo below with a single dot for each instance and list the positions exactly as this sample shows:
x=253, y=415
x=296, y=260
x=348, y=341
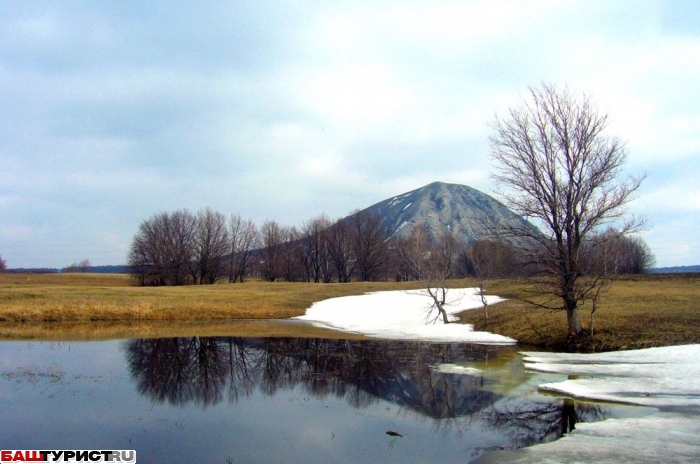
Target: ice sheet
x=666, y=378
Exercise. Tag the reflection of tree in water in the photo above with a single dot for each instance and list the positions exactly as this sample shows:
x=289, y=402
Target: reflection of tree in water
x=206, y=371
x=179, y=370
x=529, y=423
x=203, y=370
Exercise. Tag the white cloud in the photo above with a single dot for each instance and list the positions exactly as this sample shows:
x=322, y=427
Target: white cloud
x=279, y=110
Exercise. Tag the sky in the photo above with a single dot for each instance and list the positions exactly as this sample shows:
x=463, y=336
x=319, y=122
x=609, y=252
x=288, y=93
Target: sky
x=113, y=111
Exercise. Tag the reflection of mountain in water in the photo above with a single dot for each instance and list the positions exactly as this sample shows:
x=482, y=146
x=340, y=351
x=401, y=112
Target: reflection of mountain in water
x=206, y=371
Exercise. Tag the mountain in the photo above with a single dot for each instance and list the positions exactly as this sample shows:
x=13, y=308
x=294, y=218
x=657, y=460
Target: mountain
x=465, y=211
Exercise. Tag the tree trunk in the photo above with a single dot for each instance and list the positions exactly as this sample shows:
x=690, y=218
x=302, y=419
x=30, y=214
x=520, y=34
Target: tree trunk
x=443, y=313
x=574, y=319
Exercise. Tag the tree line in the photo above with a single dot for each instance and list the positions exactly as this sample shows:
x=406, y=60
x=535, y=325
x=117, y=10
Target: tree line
x=185, y=248
x=181, y=247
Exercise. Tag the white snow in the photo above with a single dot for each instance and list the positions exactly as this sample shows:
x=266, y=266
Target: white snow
x=665, y=378
x=658, y=377
x=403, y=315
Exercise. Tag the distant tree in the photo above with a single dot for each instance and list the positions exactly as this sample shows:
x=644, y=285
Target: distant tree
x=490, y=259
x=484, y=260
x=211, y=245
x=341, y=251
x=272, y=237
x=71, y=269
x=82, y=266
x=432, y=260
x=610, y=253
x=3, y=265
x=314, y=249
x=560, y=169
x=412, y=251
x=368, y=235
x=291, y=255
x=163, y=249
x=244, y=239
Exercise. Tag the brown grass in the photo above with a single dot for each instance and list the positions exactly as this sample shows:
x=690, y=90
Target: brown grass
x=635, y=312
x=104, y=298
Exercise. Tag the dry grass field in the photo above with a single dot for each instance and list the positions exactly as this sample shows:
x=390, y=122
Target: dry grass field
x=107, y=305
x=635, y=312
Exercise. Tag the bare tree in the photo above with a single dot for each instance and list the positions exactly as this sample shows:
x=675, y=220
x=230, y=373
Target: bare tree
x=560, y=169
x=369, y=244
x=432, y=261
x=491, y=259
x=291, y=255
x=3, y=265
x=211, y=246
x=439, y=269
x=162, y=250
x=314, y=249
x=82, y=267
x=610, y=253
x=340, y=249
x=272, y=238
x=412, y=251
x=487, y=259
x=244, y=239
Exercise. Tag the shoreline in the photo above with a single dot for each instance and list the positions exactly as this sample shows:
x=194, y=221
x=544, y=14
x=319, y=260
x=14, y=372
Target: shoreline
x=636, y=311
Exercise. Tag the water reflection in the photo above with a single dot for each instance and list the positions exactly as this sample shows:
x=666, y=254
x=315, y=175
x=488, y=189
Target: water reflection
x=208, y=371
x=283, y=400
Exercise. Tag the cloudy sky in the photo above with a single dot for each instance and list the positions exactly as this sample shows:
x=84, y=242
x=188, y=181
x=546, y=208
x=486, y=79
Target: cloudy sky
x=112, y=111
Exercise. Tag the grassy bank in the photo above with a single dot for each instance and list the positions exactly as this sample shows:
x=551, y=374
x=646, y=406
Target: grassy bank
x=58, y=300
x=635, y=312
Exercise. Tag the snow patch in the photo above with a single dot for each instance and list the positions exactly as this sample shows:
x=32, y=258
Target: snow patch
x=403, y=315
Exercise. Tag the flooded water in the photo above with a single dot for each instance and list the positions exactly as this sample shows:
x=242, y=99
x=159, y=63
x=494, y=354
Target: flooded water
x=286, y=400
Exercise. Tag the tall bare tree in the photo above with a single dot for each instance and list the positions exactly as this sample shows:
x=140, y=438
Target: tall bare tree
x=272, y=237
x=340, y=248
x=557, y=166
x=291, y=255
x=3, y=264
x=369, y=239
x=211, y=246
x=314, y=248
x=163, y=249
x=245, y=238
